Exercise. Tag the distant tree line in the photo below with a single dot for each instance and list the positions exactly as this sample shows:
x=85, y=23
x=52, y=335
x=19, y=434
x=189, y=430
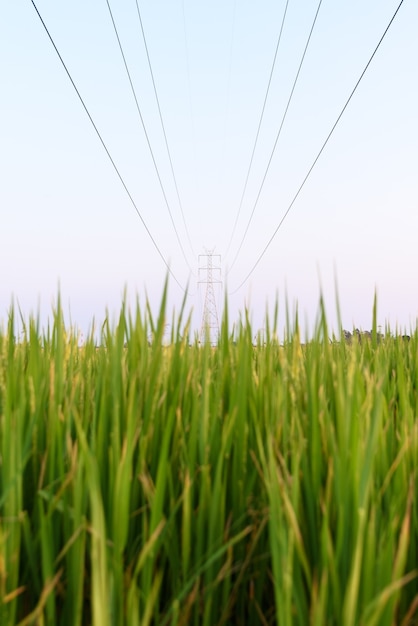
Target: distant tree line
x=366, y=335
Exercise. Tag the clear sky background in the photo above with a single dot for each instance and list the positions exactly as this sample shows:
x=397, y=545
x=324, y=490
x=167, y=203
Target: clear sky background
x=66, y=219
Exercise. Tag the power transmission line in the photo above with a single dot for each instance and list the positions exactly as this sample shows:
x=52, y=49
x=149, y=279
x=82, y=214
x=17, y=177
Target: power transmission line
x=163, y=127
x=146, y=134
x=186, y=47
x=320, y=151
x=221, y=161
x=258, y=129
x=277, y=136
x=105, y=148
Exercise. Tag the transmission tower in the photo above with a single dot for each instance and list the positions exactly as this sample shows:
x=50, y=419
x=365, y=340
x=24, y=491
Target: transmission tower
x=209, y=275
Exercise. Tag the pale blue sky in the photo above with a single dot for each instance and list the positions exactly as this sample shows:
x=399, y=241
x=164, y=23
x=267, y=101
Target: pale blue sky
x=67, y=220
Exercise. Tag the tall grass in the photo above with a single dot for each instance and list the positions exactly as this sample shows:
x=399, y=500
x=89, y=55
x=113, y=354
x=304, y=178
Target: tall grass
x=185, y=484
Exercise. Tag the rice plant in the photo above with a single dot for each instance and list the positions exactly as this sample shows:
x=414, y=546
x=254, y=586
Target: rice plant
x=144, y=483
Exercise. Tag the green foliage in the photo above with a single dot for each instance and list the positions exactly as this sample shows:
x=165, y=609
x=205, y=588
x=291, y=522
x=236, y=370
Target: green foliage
x=142, y=483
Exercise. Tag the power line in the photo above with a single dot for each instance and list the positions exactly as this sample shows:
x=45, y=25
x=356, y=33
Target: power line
x=258, y=129
x=221, y=160
x=277, y=136
x=320, y=151
x=186, y=47
x=163, y=127
x=146, y=134
x=106, y=149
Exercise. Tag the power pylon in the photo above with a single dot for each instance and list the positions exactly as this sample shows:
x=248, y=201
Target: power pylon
x=209, y=275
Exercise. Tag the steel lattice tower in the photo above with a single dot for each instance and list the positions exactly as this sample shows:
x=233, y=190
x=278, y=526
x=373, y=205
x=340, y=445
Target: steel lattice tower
x=209, y=330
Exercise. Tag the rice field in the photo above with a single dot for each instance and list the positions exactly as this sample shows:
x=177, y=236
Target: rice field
x=185, y=484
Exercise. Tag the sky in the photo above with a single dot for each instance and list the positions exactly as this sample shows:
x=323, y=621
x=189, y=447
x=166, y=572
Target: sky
x=69, y=226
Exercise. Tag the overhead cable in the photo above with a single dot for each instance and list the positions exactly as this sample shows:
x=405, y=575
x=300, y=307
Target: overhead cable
x=320, y=152
x=146, y=135
x=163, y=128
x=277, y=136
x=186, y=48
x=106, y=149
x=258, y=129
x=221, y=161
